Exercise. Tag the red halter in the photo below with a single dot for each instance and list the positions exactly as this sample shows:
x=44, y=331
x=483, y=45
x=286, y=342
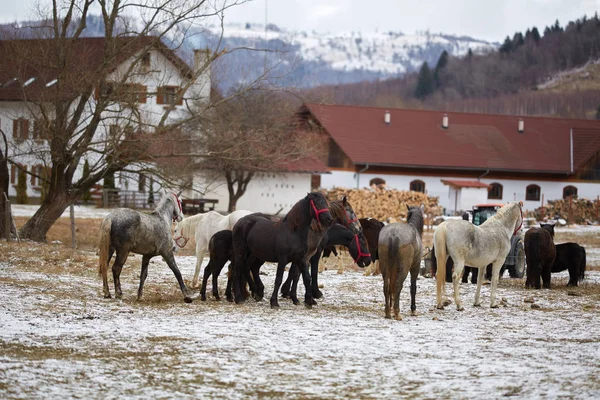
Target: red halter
x=521, y=224
x=178, y=205
x=360, y=253
x=317, y=212
x=184, y=243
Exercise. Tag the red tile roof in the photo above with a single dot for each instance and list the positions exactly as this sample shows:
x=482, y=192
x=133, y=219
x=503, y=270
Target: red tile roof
x=465, y=184
x=416, y=138
x=34, y=58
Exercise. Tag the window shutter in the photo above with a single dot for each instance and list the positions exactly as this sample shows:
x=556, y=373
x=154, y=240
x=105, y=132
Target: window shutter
x=160, y=94
x=13, y=174
x=142, y=94
x=178, y=93
x=16, y=134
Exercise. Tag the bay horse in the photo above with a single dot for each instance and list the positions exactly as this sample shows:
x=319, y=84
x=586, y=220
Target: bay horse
x=295, y=238
x=400, y=247
x=338, y=235
x=540, y=253
x=476, y=246
x=125, y=230
x=342, y=213
x=202, y=227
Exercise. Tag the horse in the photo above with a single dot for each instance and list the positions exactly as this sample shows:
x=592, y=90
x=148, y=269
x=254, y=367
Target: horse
x=570, y=256
x=400, y=247
x=337, y=234
x=202, y=227
x=342, y=213
x=477, y=246
x=125, y=230
x=295, y=238
x=540, y=253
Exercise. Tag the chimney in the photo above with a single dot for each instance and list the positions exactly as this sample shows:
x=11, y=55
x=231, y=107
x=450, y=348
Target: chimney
x=445, y=121
x=521, y=125
x=387, y=117
x=200, y=57
x=200, y=89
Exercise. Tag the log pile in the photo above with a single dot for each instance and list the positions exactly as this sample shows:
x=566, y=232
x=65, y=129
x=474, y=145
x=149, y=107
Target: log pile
x=575, y=211
x=385, y=204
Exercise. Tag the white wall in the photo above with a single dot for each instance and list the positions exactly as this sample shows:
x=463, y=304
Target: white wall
x=266, y=192
x=512, y=189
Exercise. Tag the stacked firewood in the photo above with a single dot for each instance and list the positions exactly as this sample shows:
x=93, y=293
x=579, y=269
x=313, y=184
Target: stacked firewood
x=385, y=204
x=574, y=211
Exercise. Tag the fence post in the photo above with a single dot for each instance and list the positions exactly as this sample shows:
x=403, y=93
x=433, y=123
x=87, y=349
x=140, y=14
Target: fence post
x=73, y=239
x=8, y=218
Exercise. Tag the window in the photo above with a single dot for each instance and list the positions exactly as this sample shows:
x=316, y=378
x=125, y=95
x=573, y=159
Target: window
x=569, y=191
x=532, y=193
x=39, y=175
x=20, y=129
x=417, y=186
x=145, y=62
x=14, y=172
x=168, y=95
x=495, y=191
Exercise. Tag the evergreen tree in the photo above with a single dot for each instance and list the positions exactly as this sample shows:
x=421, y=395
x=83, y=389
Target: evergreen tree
x=425, y=82
x=517, y=40
x=22, y=187
x=535, y=34
x=87, y=194
x=441, y=64
x=506, y=46
x=470, y=53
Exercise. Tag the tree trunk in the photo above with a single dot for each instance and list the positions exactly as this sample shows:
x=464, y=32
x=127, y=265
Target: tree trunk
x=4, y=182
x=237, y=182
x=50, y=210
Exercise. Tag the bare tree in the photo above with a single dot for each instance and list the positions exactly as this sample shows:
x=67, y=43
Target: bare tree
x=88, y=102
x=255, y=132
x=4, y=182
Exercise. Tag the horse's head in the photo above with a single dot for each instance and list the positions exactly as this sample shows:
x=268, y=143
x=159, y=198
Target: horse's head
x=352, y=220
x=177, y=210
x=359, y=250
x=519, y=222
x=549, y=228
x=179, y=236
x=319, y=208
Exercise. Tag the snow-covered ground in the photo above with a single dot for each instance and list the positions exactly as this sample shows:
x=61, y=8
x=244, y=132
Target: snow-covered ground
x=60, y=339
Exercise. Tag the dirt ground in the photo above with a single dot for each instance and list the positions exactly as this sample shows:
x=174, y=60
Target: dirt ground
x=60, y=338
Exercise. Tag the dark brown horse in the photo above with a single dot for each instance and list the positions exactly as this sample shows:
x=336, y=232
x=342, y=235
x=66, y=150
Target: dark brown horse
x=569, y=256
x=293, y=239
x=540, y=253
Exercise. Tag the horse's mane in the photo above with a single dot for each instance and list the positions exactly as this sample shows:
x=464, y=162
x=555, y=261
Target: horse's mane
x=188, y=224
x=295, y=216
x=416, y=218
x=162, y=204
x=501, y=214
x=338, y=212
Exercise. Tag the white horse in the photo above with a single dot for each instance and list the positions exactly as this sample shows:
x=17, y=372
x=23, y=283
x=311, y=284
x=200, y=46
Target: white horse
x=202, y=227
x=476, y=246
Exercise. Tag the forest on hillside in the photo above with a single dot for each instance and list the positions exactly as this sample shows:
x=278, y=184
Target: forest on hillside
x=512, y=80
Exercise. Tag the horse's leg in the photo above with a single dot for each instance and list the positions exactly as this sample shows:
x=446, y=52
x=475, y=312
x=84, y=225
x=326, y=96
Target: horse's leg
x=278, y=278
x=496, y=265
x=287, y=285
x=215, y=278
x=308, y=297
x=459, y=265
x=386, y=290
x=170, y=260
x=314, y=273
x=294, y=275
x=117, y=267
x=201, y=248
x=414, y=275
x=143, y=275
x=441, y=259
x=207, y=273
x=480, y=274
x=106, y=290
x=259, y=287
x=546, y=269
x=399, y=282
x=229, y=288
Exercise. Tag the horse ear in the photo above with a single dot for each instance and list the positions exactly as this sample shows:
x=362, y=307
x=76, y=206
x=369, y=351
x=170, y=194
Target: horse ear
x=521, y=203
x=407, y=208
x=344, y=201
x=179, y=193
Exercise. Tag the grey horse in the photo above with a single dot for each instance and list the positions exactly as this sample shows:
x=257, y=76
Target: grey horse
x=149, y=234
x=400, y=246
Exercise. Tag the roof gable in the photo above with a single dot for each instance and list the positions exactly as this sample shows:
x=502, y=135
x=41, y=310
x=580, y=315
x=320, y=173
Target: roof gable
x=416, y=138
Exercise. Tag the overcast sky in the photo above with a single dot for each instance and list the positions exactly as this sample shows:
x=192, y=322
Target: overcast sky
x=491, y=20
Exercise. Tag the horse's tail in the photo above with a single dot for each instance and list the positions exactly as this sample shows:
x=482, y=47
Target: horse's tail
x=104, y=246
x=583, y=264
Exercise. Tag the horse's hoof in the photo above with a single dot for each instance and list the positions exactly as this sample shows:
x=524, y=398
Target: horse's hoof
x=313, y=302
x=275, y=306
x=413, y=314
x=494, y=306
x=440, y=307
x=203, y=297
x=107, y=296
x=447, y=302
x=308, y=305
x=477, y=305
x=461, y=308
x=188, y=299
x=398, y=318
x=295, y=301
x=317, y=294
x=388, y=316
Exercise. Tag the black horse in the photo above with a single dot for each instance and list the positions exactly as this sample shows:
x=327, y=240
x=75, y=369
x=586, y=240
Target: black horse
x=342, y=213
x=293, y=239
x=570, y=256
x=337, y=235
x=540, y=253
